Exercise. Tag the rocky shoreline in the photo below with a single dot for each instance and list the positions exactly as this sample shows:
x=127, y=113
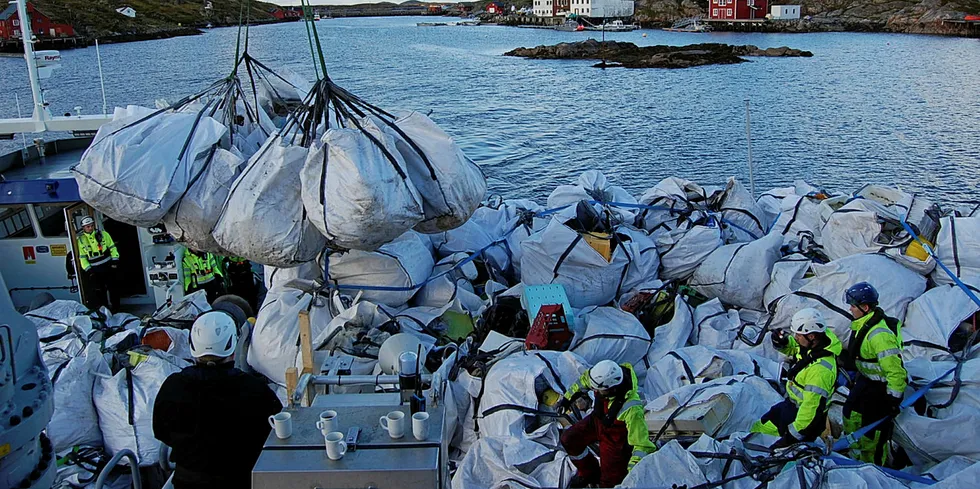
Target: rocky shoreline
x=629, y=55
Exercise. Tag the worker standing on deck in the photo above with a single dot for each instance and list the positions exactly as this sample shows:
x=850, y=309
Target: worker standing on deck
x=809, y=382
x=616, y=422
x=875, y=352
x=241, y=280
x=99, y=260
x=212, y=415
x=201, y=271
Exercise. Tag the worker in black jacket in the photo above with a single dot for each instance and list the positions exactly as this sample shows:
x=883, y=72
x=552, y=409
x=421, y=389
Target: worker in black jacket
x=213, y=415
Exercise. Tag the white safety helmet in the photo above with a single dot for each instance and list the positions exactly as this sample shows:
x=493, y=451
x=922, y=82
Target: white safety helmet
x=807, y=321
x=214, y=333
x=87, y=220
x=606, y=375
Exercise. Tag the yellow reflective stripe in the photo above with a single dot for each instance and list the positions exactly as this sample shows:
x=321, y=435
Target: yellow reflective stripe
x=889, y=352
x=793, y=432
x=825, y=364
x=895, y=393
x=627, y=405
x=817, y=390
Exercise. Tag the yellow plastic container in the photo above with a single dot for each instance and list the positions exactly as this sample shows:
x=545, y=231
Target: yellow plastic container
x=915, y=250
x=601, y=242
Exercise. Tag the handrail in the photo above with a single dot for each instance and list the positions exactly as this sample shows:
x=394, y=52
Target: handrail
x=134, y=468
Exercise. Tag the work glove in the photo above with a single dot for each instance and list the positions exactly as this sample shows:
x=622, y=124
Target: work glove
x=783, y=442
x=779, y=339
x=564, y=405
x=894, y=405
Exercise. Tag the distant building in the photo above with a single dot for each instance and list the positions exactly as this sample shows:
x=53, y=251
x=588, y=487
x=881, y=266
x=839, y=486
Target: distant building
x=286, y=13
x=737, y=10
x=786, y=12
x=41, y=24
x=127, y=11
x=585, y=8
x=495, y=8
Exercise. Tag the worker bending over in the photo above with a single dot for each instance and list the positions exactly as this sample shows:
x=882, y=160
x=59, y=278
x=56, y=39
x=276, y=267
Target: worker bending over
x=616, y=422
x=810, y=382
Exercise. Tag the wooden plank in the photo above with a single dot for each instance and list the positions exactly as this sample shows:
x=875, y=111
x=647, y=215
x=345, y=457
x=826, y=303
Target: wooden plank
x=292, y=378
x=306, y=342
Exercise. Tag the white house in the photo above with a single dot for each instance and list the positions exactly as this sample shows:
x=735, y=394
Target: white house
x=127, y=11
x=587, y=8
x=785, y=12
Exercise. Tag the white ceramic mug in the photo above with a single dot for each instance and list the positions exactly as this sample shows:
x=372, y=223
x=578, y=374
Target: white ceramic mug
x=328, y=422
x=283, y=424
x=420, y=426
x=394, y=422
x=336, y=446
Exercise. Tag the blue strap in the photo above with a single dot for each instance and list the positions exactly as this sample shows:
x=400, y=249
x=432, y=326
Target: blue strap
x=969, y=293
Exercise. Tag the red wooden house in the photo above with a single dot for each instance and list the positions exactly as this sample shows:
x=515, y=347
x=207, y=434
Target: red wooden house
x=41, y=25
x=738, y=10
x=286, y=13
x=495, y=8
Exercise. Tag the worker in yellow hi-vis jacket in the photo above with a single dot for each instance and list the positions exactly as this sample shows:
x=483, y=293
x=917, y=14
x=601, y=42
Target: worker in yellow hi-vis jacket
x=98, y=258
x=616, y=422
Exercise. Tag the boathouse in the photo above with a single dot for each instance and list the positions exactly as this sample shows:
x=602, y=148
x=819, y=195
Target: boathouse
x=41, y=24
x=737, y=10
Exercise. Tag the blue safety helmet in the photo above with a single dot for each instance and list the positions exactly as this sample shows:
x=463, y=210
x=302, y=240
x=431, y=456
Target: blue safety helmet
x=861, y=293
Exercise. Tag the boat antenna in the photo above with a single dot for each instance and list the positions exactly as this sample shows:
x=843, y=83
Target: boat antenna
x=98, y=56
x=748, y=141
x=28, y=39
x=23, y=137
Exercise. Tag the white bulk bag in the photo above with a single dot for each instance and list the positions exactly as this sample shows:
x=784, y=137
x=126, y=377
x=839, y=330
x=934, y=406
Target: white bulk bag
x=750, y=396
x=932, y=319
x=677, y=197
x=608, y=333
x=897, y=286
x=827, y=473
x=559, y=255
x=129, y=395
x=787, y=276
x=694, y=364
x=139, y=164
x=799, y=216
x=180, y=341
x=852, y=229
x=75, y=420
x=405, y=262
x=670, y=466
x=958, y=247
x=450, y=184
x=356, y=188
x=743, y=219
x=674, y=334
x=739, y=273
x=489, y=224
x=193, y=217
x=358, y=322
x=311, y=270
x=771, y=202
x=714, y=326
x=592, y=185
x=511, y=382
x=682, y=250
x=275, y=336
x=451, y=285
x=497, y=463
x=263, y=218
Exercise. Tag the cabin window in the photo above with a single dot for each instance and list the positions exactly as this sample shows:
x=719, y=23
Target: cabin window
x=51, y=220
x=15, y=222
x=729, y=12
x=714, y=12
x=16, y=23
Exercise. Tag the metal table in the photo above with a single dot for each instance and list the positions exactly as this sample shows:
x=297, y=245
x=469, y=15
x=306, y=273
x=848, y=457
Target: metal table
x=378, y=461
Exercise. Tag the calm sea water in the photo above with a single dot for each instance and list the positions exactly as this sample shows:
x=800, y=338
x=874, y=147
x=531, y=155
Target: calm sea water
x=892, y=109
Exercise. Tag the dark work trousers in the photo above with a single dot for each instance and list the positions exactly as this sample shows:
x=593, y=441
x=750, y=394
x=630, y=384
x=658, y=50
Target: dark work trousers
x=614, y=450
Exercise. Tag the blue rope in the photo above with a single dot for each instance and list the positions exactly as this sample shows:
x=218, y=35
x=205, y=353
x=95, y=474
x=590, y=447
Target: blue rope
x=969, y=293
x=898, y=474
